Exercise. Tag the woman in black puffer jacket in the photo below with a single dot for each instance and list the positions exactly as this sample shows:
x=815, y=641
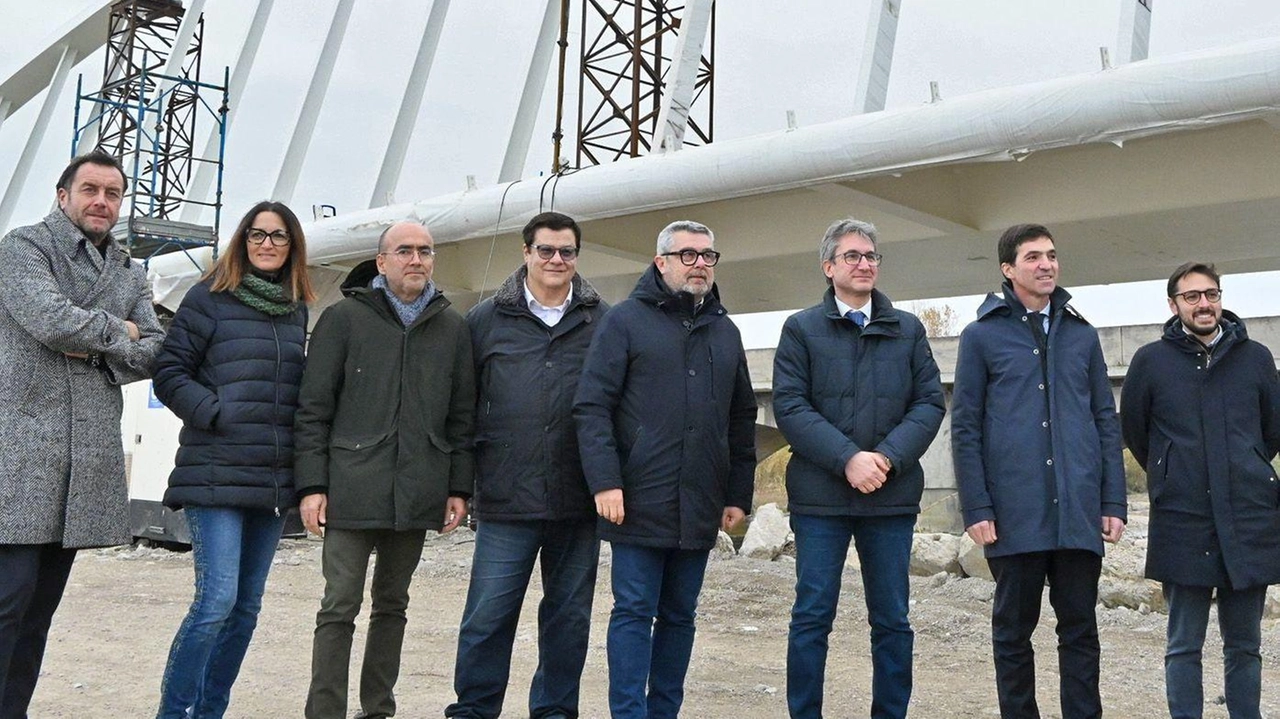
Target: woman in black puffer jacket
x=231, y=368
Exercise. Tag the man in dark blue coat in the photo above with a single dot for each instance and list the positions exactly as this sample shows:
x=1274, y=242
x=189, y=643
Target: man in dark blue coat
x=1036, y=444
x=858, y=395
x=1201, y=411
x=666, y=425
x=529, y=341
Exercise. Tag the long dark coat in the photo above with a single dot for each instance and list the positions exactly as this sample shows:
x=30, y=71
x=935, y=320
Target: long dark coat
x=839, y=390
x=1035, y=440
x=385, y=414
x=1206, y=426
x=62, y=464
x=526, y=447
x=232, y=374
x=666, y=413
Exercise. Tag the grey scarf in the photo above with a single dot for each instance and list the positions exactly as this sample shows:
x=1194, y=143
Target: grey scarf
x=407, y=311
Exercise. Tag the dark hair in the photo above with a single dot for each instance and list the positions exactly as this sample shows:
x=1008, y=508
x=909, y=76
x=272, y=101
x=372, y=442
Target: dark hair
x=1193, y=268
x=1012, y=239
x=96, y=156
x=551, y=221
x=234, y=262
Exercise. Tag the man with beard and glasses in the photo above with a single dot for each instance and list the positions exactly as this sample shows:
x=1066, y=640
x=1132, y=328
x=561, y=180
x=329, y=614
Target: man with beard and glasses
x=666, y=427
x=76, y=323
x=1036, y=444
x=1200, y=410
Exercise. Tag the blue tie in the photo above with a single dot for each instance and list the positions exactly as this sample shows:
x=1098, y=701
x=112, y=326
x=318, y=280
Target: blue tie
x=858, y=317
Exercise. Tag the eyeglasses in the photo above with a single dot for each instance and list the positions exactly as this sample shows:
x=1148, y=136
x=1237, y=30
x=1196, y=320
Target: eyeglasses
x=546, y=252
x=853, y=257
x=690, y=257
x=406, y=254
x=1192, y=297
x=279, y=238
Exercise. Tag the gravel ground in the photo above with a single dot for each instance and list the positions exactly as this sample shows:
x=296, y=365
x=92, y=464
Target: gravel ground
x=109, y=641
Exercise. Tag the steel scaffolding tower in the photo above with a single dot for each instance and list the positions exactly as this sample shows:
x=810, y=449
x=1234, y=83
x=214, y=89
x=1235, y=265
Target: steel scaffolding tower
x=148, y=120
x=627, y=48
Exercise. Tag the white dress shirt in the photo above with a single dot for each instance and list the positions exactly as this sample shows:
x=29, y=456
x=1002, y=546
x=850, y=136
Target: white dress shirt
x=550, y=316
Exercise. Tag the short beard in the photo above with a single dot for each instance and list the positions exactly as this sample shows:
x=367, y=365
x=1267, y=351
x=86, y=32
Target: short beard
x=698, y=292
x=1201, y=331
x=97, y=238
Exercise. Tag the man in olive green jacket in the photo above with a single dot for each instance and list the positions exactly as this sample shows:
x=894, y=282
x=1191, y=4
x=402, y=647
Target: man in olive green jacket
x=381, y=456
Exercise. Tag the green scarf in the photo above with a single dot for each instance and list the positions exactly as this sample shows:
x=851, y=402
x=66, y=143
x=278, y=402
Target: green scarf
x=266, y=297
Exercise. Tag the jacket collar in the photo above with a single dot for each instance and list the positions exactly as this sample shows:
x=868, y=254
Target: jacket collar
x=1233, y=332
x=377, y=299
x=70, y=239
x=884, y=318
x=1007, y=303
x=651, y=289
x=510, y=294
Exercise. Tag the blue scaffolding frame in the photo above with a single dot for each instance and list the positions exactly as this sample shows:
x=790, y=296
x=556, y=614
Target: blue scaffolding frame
x=143, y=233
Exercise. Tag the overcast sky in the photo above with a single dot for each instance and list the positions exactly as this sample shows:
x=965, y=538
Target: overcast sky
x=772, y=56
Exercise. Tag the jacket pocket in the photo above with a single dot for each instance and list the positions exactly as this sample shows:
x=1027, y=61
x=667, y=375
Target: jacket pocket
x=1272, y=486
x=37, y=392
x=360, y=458
x=1158, y=470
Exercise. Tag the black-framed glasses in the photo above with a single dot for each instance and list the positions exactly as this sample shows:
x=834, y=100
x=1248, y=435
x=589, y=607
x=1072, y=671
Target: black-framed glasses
x=853, y=257
x=690, y=257
x=1192, y=297
x=546, y=252
x=279, y=238
x=406, y=254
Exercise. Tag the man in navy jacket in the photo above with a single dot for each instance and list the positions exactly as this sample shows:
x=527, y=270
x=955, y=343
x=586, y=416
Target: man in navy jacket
x=1201, y=411
x=666, y=427
x=858, y=395
x=1036, y=444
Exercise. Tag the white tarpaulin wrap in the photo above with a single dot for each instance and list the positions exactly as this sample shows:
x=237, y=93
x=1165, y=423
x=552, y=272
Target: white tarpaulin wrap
x=1193, y=90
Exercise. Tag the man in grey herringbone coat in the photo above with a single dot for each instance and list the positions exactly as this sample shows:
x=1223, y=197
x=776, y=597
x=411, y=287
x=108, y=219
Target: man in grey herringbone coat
x=76, y=323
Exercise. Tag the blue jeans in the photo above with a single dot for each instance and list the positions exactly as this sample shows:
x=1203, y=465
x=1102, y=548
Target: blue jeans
x=884, y=549
x=1240, y=619
x=655, y=601
x=233, y=549
x=500, y=571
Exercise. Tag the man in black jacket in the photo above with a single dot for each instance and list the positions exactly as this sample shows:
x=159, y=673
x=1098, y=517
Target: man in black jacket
x=858, y=395
x=1200, y=409
x=666, y=423
x=381, y=438
x=529, y=340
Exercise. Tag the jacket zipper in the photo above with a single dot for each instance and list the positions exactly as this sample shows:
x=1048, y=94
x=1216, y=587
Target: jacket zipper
x=275, y=427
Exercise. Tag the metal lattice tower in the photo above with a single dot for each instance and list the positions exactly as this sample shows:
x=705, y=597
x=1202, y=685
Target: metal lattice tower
x=626, y=53
x=141, y=39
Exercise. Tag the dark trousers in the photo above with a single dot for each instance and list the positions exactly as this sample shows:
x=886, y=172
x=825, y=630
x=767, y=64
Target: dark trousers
x=1073, y=592
x=1240, y=619
x=32, y=577
x=505, y=553
x=884, y=551
x=345, y=562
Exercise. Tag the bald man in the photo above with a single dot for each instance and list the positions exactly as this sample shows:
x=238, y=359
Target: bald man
x=382, y=456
